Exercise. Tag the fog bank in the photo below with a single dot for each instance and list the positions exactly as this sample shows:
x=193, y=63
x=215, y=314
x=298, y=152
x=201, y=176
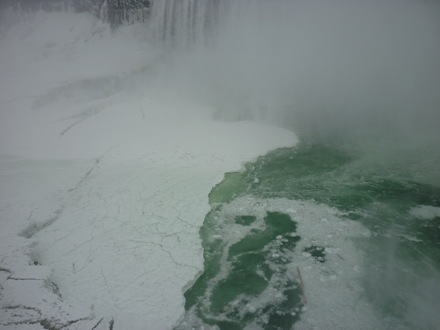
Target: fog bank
x=336, y=70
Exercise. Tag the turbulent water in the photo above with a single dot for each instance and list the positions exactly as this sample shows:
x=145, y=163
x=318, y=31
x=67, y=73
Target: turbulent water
x=319, y=228
x=342, y=231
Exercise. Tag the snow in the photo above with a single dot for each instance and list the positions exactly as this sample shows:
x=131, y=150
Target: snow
x=104, y=177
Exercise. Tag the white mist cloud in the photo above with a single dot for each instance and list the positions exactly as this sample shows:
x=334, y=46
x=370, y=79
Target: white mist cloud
x=332, y=69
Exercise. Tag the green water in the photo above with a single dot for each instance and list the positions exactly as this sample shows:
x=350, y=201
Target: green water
x=250, y=279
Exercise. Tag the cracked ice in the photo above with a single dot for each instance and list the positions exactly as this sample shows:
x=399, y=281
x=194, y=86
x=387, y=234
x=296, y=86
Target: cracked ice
x=103, y=187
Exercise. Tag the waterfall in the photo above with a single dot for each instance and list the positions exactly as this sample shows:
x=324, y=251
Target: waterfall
x=332, y=70
x=180, y=23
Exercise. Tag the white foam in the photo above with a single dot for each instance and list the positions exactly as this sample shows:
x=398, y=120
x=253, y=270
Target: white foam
x=425, y=212
x=333, y=289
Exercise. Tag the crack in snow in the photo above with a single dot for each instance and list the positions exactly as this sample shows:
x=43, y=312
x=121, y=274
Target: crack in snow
x=34, y=227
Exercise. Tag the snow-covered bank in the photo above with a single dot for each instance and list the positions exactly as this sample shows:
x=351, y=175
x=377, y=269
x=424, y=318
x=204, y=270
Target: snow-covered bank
x=31, y=195
x=117, y=233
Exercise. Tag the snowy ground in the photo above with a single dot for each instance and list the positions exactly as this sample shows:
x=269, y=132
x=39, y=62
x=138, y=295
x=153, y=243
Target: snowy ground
x=104, y=177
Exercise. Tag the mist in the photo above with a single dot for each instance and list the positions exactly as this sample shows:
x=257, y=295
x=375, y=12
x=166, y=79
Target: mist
x=334, y=71
x=109, y=156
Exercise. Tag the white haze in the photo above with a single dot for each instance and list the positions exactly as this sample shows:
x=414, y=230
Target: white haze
x=336, y=70
x=69, y=90
x=100, y=168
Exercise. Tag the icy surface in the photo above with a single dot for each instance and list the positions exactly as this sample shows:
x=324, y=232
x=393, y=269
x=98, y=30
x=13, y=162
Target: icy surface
x=104, y=178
